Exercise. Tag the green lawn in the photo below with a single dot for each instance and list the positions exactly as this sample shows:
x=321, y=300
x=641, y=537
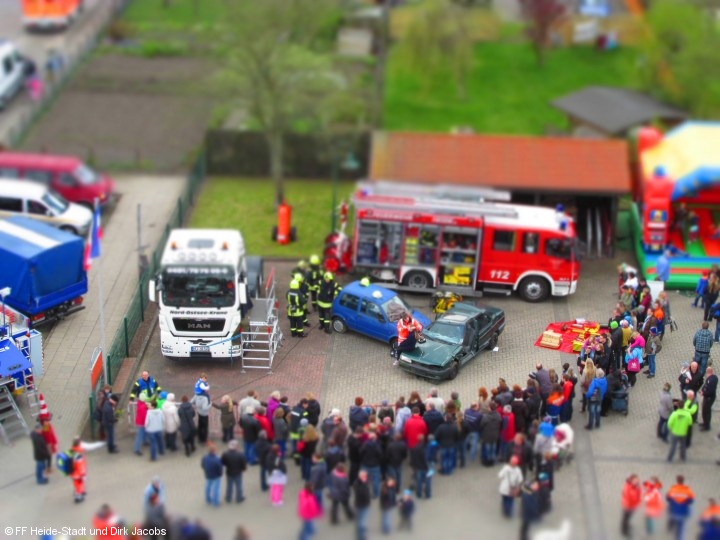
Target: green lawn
x=180, y=15
x=508, y=91
x=248, y=205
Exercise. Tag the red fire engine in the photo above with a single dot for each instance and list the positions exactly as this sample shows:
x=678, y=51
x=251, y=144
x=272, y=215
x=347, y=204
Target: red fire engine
x=454, y=242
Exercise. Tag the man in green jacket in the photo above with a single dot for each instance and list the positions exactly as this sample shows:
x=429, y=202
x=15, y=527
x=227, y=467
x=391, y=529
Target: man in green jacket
x=691, y=406
x=679, y=425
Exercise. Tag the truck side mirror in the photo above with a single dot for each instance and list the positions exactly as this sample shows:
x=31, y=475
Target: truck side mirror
x=243, y=293
x=151, y=291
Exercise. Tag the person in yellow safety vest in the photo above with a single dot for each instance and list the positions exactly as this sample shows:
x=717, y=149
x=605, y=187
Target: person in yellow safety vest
x=300, y=278
x=329, y=289
x=314, y=276
x=296, y=308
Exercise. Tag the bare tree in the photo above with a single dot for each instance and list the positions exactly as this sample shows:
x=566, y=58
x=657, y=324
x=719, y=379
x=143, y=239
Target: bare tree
x=541, y=16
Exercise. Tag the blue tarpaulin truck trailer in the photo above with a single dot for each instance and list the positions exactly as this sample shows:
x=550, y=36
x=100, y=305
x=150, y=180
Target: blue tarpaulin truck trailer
x=44, y=268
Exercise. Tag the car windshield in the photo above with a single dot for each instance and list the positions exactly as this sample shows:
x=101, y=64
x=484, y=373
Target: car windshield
x=55, y=202
x=395, y=307
x=86, y=175
x=199, y=286
x=452, y=333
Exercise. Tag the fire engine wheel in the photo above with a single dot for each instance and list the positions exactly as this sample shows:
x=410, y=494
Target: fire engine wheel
x=454, y=370
x=418, y=280
x=339, y=325
x=534, y=289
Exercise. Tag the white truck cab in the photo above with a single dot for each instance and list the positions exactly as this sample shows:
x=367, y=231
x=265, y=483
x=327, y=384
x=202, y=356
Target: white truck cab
x=203, y=289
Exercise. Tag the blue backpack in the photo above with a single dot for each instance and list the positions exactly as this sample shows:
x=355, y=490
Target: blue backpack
x=65, y=463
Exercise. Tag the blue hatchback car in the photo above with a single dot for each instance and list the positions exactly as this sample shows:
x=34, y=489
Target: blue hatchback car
x=371, y=310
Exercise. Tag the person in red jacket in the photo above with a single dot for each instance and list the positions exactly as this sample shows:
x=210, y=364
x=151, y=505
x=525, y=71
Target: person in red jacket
x=108, y=525
x=309, y=510
x=50, y=436
x=265, y=423
x=507, y=435
x=414, y=427
x=654, y=504
x=568, y=390
x=631, y=500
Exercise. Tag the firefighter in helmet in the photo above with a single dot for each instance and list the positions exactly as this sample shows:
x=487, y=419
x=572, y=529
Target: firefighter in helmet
x=314, y=276
x=329, y=289
x=305, y=291
x=296, y=309
x=301, y=267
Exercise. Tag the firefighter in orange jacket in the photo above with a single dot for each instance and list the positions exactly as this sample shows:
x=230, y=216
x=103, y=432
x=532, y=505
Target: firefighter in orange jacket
x=409, y=333
x=80, y=466
x=710, y=521
x=79, y=470
x=107, y=525
x=680, y=498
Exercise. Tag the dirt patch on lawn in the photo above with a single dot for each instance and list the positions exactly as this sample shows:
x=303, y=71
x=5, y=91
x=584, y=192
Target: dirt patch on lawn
x=124, y=112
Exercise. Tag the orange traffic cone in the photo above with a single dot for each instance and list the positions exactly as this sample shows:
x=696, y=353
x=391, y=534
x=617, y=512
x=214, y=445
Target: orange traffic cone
x=44, y=411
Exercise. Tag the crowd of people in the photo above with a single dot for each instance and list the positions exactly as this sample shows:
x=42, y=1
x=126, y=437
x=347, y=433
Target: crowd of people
x=350, y=462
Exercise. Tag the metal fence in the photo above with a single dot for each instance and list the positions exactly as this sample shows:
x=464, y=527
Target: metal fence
x=120, y=347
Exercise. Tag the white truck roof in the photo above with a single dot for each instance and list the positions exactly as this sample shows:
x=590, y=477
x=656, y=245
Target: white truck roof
x=203, y=246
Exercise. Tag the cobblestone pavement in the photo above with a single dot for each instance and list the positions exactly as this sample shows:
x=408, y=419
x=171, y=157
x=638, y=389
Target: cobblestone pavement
x=338, y=368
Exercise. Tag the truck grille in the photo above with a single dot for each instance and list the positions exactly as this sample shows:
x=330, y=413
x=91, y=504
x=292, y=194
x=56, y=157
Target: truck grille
x=198, y=325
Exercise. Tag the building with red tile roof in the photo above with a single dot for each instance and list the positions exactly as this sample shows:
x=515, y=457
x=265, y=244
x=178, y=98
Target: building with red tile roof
x=586, y=175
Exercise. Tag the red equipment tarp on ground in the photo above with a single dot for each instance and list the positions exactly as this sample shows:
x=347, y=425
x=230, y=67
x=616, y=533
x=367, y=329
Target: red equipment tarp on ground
x=570, y=331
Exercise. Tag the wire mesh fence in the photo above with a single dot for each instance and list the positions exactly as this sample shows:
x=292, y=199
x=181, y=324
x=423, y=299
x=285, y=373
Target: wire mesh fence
x=120, y=346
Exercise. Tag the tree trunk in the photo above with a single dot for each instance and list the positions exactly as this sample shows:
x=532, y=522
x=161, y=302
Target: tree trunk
x=277, y=151
x=539, y=53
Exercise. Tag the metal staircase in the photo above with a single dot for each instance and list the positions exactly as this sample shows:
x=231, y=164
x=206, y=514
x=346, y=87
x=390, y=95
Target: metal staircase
x=12, y=423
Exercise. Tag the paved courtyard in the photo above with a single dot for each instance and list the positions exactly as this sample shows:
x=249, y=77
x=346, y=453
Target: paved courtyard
x=339, y=367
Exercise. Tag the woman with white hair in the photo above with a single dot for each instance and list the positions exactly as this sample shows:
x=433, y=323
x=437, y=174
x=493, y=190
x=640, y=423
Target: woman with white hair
x=172, y=422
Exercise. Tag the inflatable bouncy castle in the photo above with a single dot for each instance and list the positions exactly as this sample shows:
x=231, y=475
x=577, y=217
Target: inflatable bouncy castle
x=678, y=201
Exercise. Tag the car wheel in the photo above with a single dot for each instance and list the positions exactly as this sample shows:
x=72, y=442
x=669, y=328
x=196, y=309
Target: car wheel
x=534, y=289
x=493, y=341
x=339, y=325
x=454, y=370
x=418, y=280
x=69, y=229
